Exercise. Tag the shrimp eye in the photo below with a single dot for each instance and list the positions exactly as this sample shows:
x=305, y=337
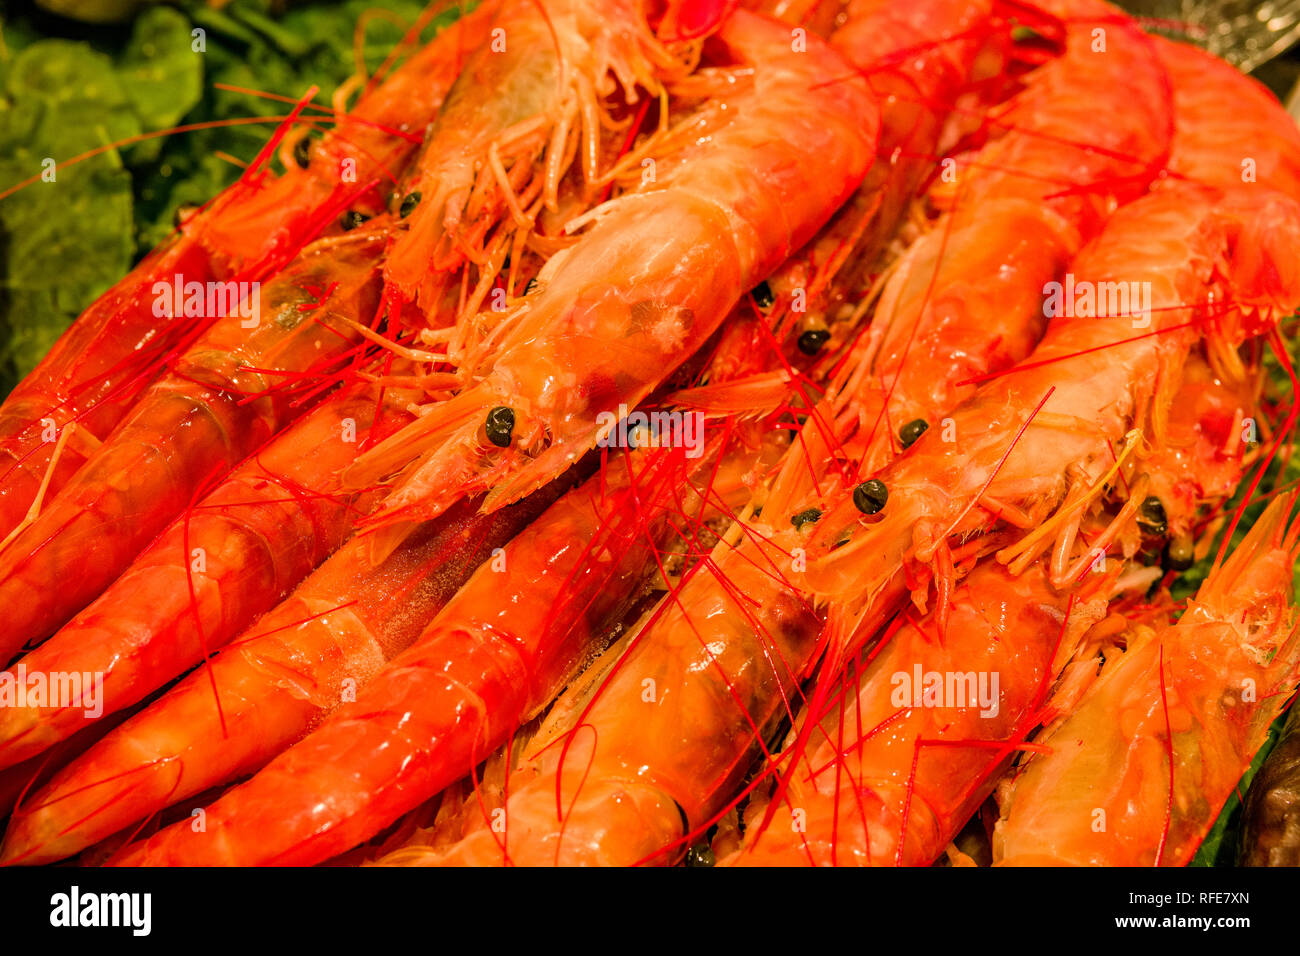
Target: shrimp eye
x=302, y=152
x=913, y=430
x=1151, y=517
x=811, y=342
x=809, y=516
x=530, y=287
x=870, y=496
x=500, y=425
x=1179, y=554
x=762, y=294
x=409, y=202
x=700, y=855
x=351, y=219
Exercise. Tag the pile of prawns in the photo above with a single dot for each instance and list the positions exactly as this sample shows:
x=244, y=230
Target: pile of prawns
x=369, y=581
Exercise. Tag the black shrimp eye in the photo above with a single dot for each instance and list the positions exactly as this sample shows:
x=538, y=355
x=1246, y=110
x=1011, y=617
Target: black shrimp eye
x=409, y=202
x=500, y=425
x=1179, y=554
x=870, y=496
x=530, y=287
x=810, y=516
x=351, y=219
x=913, y=430
x=700, y=855
x=811, y=342
x=762, y=294
x=302, y=152
x=1151, y=517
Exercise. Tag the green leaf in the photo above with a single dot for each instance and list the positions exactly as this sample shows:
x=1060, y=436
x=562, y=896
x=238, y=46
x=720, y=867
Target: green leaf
x=65, y=241
x=161, y=74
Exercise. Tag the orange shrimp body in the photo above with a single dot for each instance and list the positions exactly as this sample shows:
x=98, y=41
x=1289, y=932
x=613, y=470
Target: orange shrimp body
x=191, y=426
x=916, y=61
x=1138, y=773
x=214, y=571
x=616, y=312
x=1041, y=152
x=493, y=657
x=1057, y=423
x=98, y=368
x=902, y=760
x=1217, y=105
x=265, y=689
x=1026, y=201
x=646, y=746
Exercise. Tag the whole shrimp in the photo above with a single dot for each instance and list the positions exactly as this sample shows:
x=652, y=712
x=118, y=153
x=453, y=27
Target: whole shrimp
x=613, y=314
x=55, y=418
x=1137, y=774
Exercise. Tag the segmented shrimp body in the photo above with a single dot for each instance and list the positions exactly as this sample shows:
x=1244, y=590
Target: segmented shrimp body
x=766, y=165
x=909, y=747
x=1219, y=108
